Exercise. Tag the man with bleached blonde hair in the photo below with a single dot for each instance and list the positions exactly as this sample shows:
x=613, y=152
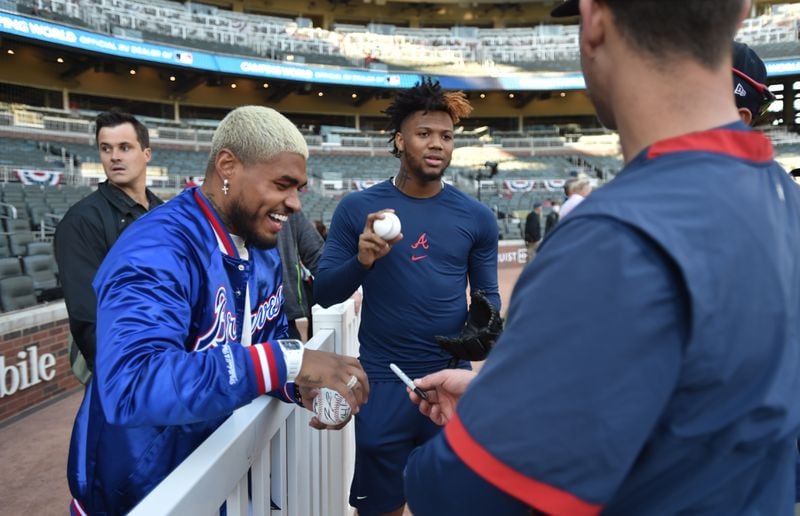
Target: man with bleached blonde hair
x=190, y=324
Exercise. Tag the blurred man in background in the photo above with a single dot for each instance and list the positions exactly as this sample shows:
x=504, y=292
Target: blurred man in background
x=300, y=246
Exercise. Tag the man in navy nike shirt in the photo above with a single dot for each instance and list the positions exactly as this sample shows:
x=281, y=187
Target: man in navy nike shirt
x=673, y=387
x=414, y=285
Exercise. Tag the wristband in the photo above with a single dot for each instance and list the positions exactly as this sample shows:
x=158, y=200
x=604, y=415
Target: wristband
x=298, y=398
x=292, y=356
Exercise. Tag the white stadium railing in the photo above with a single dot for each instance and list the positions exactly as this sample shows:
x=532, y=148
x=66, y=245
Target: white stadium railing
x=304, y=472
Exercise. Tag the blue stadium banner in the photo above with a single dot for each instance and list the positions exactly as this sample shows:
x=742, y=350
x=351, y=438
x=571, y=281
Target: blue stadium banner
x=57, y=34
x=294, y=72
x=542, y=81
x=192, y=58
x=93, y=42
x=783, y=67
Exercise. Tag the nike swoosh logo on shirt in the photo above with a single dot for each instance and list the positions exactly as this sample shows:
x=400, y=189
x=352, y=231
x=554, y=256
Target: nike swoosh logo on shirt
x=418, y=258
x=361, y=497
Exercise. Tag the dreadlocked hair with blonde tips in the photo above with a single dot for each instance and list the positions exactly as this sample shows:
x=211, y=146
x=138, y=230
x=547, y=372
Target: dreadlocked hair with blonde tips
x=427, y=95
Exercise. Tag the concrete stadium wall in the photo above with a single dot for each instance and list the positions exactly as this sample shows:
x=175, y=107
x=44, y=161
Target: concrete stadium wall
x=34, y=365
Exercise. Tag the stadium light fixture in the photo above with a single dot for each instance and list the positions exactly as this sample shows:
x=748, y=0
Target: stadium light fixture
x=132, y=71
x=60, y=60
x=10, y=51
x=172, y=78
x=233, y=85
x=563, y=94
x=320, y=94
x=354, y=96
x=511, y=95
x=266, y=85
x=483, y=95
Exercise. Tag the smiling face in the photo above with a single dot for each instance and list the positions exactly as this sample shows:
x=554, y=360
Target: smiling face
x=263, y=195
x=426, y=142
x=124, y=160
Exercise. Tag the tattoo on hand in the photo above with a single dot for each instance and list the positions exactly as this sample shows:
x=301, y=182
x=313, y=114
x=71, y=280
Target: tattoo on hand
x=307, y=381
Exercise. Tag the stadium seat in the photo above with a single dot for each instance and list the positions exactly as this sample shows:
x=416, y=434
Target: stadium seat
x=10, y=267
x=42, y=268
x=35, y=248
x=17, y=225
x=5, y=250
x=19, y=242
x=16, y=293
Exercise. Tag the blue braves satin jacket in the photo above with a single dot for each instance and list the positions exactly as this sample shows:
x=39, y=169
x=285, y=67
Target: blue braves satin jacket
x=170, y=365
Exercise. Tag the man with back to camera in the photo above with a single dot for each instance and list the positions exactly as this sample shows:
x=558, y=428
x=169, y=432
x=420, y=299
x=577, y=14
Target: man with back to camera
x=673, y=388
x=533, y=230
x=189, y=319
x=414, y=286
x=753, y=98
x=91, y=226
x=552, y=218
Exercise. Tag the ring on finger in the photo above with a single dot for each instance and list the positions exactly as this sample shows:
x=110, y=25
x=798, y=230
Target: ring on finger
x=352, y=382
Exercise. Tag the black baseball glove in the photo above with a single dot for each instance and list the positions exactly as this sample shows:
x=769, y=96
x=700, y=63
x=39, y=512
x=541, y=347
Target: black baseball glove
x=479, y=334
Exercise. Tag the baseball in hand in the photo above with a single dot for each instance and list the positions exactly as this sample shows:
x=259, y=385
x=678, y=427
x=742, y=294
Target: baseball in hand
x=388, y=227
x=330, y=407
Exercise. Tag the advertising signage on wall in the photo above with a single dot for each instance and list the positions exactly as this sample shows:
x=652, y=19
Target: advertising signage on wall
x=544, y=81
x=52, y=33
x=783, y=67
x=29, y=369
x=344, y=76
x=191, y=58
x=93, y=42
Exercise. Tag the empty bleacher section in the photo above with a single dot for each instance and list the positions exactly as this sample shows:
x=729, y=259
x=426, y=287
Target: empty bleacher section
x=66, y=143
x=28, y=269
x=530, y=166
x=459, y=49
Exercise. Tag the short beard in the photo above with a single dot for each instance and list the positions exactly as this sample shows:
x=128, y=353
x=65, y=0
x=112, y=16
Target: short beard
x=428, y=178
x=243, y=224
x=419, y=173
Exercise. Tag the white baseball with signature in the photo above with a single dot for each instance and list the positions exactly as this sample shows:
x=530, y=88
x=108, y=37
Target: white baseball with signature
x=330, y=407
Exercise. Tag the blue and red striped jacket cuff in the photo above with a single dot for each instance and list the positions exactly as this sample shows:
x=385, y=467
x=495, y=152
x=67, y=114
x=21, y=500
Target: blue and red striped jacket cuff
x=269, y=366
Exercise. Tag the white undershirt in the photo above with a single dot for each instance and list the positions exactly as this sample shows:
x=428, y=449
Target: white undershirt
x=395, y=184
x=246, y=325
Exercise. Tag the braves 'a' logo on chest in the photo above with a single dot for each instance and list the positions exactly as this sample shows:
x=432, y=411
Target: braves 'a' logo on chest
x=422, y=242
x=419, y=247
